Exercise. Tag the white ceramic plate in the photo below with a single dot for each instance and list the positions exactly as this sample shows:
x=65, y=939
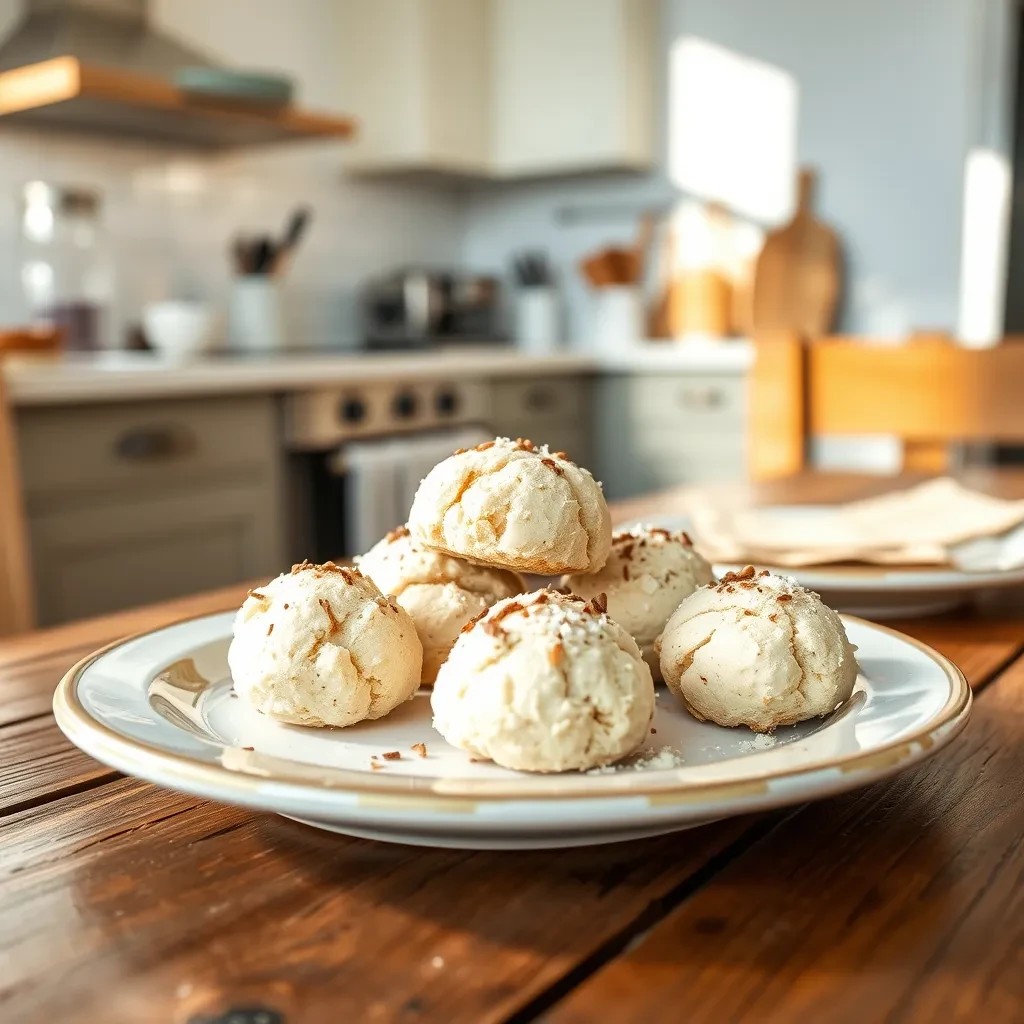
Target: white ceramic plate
x=880, y=592
x=160, y=706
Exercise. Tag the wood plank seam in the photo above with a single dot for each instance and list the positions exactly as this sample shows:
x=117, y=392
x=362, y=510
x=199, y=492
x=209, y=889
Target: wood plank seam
x=71, y=790
x=648, y=918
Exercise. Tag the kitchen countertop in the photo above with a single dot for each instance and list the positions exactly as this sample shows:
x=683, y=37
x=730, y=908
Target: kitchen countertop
x=120, y=376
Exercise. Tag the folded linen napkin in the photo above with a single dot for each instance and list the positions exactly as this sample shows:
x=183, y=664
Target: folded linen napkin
x=921, y=525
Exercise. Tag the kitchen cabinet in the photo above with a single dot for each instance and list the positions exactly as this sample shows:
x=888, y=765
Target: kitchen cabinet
x=555, y=411
x=499, y=88
x=138, y=502
x=654, y=432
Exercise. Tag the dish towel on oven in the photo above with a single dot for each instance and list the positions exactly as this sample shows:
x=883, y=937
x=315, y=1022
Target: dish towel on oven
x=382, y=476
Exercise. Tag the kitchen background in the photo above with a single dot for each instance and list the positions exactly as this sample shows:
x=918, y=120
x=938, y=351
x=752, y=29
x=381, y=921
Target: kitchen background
x=620, y=146
x=894, y=104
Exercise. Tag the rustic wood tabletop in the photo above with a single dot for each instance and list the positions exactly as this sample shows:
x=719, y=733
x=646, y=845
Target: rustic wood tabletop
x=121, y=902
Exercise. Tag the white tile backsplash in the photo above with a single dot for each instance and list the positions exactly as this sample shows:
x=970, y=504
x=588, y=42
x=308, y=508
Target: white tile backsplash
x=170, y=215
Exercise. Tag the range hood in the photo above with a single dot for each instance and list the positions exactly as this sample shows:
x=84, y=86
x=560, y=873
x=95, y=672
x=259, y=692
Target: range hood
x=100, y=65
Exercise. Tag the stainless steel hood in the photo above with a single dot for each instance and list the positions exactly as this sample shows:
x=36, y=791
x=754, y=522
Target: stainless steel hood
x=100, y=66
x=104, y=33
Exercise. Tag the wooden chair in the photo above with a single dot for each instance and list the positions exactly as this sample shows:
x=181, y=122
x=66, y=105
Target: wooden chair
x=17, y=601
x=928, y=392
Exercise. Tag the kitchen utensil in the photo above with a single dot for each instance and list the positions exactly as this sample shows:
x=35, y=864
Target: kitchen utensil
x=797, y=277
x=634, y=261
x=180, y=328
x=597, y=270
x=297, y=225
x=531, y=270
x=160, y=706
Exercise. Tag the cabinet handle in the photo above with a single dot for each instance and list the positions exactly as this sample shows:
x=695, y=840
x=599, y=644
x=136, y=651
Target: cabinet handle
x=154, y=444
x=537, y=399
x=704, y=398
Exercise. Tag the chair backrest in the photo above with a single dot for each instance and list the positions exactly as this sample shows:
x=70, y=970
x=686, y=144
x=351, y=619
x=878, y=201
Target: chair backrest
x=17, y=601
x=927, y=392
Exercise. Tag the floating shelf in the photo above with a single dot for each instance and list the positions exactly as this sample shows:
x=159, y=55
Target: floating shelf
x=64, y=92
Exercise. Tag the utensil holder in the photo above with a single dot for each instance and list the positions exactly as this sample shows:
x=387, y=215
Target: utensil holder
x=255, y=314
x=537, y=320
x=618, y=317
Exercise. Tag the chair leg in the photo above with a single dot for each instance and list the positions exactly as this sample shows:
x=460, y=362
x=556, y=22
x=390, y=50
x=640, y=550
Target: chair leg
x=777, y=407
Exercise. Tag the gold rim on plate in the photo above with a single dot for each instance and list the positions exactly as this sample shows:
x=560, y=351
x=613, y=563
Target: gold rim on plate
x=137, y=757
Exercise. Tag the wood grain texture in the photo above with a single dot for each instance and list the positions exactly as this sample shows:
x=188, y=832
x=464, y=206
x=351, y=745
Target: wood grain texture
x=37, y=762
x=899, y=903
x=138, y=899
x=777, y=419
x=928, y=393
x=108, y=97
x=17, y=599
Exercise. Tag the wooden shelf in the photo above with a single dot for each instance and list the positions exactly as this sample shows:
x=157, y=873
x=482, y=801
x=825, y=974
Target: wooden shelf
x=64, y=92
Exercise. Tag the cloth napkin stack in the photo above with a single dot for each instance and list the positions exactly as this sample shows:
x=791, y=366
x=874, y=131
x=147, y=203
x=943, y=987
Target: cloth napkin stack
x=925, y=525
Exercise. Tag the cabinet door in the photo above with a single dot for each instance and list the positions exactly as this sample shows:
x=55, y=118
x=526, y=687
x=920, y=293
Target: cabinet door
x=99, y=559
x=573, y=85
x=554, y=411
x=656, y=432
x=415, y=73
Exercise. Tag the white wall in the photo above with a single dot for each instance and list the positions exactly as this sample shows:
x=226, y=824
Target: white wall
x=885, y=97
x=170, y=214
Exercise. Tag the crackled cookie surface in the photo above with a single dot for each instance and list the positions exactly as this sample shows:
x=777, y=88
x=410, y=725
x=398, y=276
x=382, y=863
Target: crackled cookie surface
x=514, y=505
x=440, y=592
x=648, y=572
x=322, y=645
x=544, y=683
x=758, y=650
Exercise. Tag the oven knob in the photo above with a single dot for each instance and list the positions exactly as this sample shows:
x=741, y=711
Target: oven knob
x=404, y=405
x=446, y=402
x=352, y=410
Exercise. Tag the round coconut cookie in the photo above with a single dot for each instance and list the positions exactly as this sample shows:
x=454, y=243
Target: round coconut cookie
x=322, y=645
x=648, y=572
x=545, y=682
x=513, y=505
x=757, y=650
x=441, y=593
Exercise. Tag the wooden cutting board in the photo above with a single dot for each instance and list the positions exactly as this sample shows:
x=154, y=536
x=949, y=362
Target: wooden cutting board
x=797, y=277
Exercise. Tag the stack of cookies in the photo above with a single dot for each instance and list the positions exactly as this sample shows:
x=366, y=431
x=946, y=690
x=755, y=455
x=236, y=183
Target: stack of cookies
x=545, y=681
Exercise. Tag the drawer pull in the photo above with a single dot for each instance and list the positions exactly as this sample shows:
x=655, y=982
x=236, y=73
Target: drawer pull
x=538, y=399
x=154, y=444
x=702, y=398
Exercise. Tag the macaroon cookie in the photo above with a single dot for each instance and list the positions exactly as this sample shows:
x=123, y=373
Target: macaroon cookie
x=321, y=645
x=648, y=572
x=758, y=650
x=545, y=682
x=441, y=593
x=514, y=505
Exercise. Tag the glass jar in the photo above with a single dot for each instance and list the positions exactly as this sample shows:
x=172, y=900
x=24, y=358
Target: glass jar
x=65, y=269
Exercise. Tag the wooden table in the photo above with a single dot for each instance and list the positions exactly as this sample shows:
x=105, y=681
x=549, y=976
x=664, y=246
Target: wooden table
x=120, y=902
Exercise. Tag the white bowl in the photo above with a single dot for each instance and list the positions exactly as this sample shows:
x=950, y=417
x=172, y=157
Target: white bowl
x=180, y=328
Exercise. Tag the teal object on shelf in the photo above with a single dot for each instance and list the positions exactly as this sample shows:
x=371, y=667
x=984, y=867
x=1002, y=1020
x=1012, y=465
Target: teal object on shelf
x=240, y=86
